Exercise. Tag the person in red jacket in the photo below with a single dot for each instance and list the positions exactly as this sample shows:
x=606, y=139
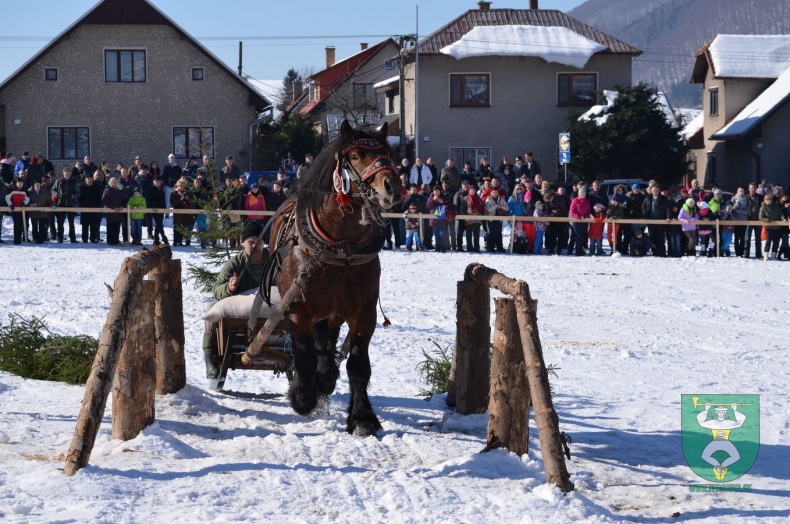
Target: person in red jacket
x=17, y=198
x=580, y=208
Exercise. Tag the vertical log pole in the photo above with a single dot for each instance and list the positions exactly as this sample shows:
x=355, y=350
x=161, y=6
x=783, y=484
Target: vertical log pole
x=99, y=383
x=470, y=361
x=171, y=373
x=508, y=407
x=134, y=385
x=546, y=418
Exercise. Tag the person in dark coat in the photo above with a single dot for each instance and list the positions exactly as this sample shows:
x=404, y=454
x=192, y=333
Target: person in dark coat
x=156, y=200
x=114, y=199
x=66, y=193
x=90, y=197
x=181, y=199
x=657, y=207
x=40, y=198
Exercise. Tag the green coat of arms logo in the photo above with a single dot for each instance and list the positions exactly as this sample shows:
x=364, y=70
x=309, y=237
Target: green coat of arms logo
x=720, y=434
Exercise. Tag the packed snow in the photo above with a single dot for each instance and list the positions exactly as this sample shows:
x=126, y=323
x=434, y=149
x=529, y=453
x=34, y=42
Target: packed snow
x=629, y=336
x=749, y=56
x=552, y=44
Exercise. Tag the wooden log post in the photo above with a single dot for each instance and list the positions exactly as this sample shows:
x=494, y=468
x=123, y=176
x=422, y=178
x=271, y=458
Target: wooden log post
x=134, y=385
x=171, y=373
x=97, y=388
x=508, y=407
x=469, y=377
x=546, y=418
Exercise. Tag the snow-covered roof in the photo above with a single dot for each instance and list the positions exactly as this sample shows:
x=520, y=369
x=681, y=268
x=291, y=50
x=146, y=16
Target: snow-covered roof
x=663, y=102
x=750, y=56
x=385, y=82
x=552, y=44
x=694, y=126
x=759, y=108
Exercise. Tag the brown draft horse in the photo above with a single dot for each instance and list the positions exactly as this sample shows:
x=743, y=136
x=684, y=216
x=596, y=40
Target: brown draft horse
x=330, y=233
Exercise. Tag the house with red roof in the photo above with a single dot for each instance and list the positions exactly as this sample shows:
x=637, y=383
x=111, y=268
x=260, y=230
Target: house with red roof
x=345, y=89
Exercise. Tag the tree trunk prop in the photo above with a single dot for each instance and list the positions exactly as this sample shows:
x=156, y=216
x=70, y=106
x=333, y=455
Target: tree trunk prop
x=508, y=408
x=97, y=388
x=469, y=374
x=546, y=418
x=134, y=385
x=171, y=373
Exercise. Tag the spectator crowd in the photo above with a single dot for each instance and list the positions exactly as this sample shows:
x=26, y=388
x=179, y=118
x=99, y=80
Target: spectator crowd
x=482, y=191
x=31, y=183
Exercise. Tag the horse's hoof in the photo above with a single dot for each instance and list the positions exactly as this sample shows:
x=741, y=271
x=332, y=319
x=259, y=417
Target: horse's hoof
x=303, y=401
x=367, y=428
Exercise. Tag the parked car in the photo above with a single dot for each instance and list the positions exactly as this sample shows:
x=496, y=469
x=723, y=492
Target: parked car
x=608, y=185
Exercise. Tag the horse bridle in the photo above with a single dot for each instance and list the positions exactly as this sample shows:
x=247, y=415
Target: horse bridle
x=344, y=171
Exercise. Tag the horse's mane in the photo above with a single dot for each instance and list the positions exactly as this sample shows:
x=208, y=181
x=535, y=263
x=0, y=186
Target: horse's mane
x=317, y=184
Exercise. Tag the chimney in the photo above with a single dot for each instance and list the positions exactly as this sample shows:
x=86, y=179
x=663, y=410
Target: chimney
x=533, y=4
x=363, y=46
x=298, y=85
x=330, y=56
x=484, y=6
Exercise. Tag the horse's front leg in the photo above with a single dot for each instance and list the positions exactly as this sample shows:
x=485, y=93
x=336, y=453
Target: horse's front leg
x=303, y=393
x=361, y=420
x=327, y=332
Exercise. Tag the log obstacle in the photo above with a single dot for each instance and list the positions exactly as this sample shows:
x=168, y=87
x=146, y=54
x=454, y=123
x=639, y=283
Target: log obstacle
x=127, y=358
x=511, y=374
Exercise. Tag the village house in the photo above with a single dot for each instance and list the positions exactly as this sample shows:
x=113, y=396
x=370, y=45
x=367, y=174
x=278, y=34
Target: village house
x=345, y=89
x=743, y=134
x=496, y=82
x=123, y=80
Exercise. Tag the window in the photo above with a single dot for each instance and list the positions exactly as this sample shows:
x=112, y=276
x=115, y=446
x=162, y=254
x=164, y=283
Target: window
x=334, y=121
x=710, y=170
x=473, y=155
x=122, y=66
x=713, y=101
x=50, y=73
x=470, y=90
x=68, y=143
x=364, y=96
x=197, y=73
x=576, y=89
x=196, y=141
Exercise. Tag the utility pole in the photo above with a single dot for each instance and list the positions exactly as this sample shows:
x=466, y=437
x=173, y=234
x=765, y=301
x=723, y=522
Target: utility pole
x=403, y=40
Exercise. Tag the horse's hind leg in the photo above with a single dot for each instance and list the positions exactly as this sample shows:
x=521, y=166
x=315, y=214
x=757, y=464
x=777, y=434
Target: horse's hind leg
x=361, y=418
x=303, y=393
x=326, y=335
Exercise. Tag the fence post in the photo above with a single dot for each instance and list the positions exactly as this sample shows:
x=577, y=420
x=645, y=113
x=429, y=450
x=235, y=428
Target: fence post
x=134, y=384
x=469, y=375
x=24, y=225
x=615, y=231
x=128, y=223
x=509, y=400
x=718, y=240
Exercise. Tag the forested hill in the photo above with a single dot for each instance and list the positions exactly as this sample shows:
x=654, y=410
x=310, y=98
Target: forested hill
x=669, y=32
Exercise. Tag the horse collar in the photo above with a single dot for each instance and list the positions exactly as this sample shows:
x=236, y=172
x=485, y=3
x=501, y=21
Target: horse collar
x=313, y=240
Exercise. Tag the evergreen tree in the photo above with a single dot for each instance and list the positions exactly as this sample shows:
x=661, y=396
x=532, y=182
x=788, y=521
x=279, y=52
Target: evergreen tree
x=275, y=138
x=634, y=141
x=286, y=95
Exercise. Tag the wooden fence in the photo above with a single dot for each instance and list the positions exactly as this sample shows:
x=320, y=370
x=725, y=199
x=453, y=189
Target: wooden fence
x=141, y=352
x=517, y=374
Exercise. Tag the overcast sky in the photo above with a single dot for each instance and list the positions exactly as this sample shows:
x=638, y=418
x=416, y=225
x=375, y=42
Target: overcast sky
x=219, y=26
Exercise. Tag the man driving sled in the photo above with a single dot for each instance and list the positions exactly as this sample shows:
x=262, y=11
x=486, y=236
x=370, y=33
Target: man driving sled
x=241, y=273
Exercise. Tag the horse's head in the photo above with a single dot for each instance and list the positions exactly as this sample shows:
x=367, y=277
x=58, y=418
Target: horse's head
x=369, y=158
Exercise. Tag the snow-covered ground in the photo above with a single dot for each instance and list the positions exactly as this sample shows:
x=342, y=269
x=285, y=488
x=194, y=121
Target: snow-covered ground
x=630, y=336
